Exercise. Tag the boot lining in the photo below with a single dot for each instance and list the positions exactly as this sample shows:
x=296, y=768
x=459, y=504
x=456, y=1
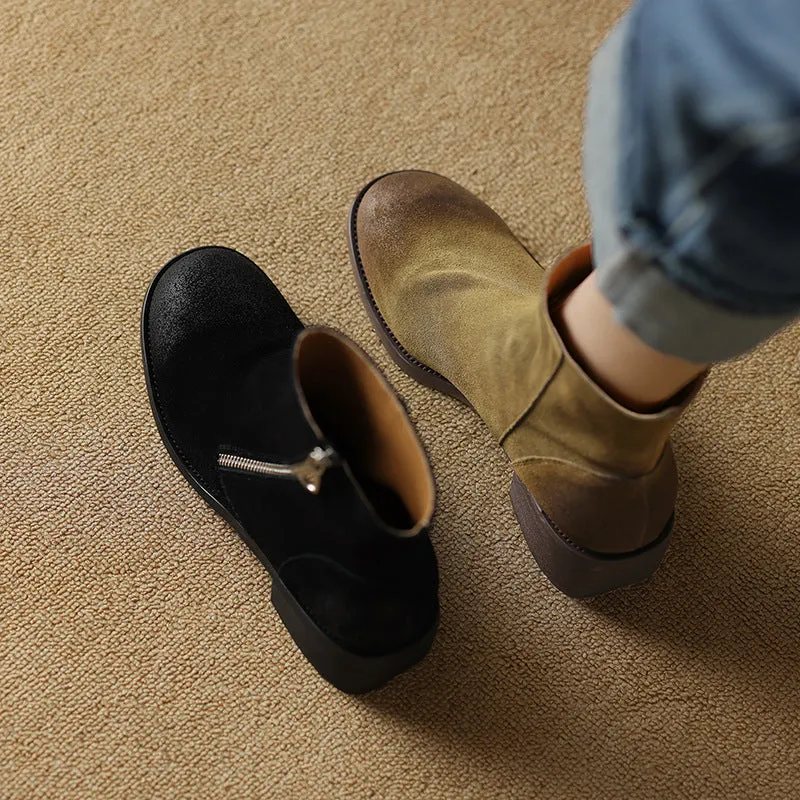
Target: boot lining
x=365, y=422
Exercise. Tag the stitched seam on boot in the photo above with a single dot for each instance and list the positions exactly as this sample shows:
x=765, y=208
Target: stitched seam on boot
x=529, y=408
x=571, y=542
x=597, y=472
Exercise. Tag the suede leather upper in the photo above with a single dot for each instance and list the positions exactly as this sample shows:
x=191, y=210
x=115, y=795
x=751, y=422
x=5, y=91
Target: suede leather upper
x=464, y=297
x=455, y=286
x=210, y=314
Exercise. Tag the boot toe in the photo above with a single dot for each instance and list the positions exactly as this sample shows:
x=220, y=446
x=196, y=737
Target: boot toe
x=399, y=209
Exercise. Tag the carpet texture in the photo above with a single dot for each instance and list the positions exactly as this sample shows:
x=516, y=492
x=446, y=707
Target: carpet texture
x=139, y=654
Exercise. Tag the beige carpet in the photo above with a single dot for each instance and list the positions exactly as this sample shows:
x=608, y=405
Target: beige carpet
x=139, y=654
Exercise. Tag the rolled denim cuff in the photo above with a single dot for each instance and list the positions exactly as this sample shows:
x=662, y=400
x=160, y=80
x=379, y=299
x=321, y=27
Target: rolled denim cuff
x=672, y=320
x=658, y=309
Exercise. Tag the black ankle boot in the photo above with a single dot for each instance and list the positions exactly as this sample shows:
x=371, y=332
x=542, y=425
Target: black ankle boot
x=297, y=440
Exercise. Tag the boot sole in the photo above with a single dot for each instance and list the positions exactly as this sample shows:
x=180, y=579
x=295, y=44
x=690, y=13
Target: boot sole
x=573, y=570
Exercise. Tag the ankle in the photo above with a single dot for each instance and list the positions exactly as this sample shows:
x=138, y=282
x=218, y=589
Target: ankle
x=628, y=370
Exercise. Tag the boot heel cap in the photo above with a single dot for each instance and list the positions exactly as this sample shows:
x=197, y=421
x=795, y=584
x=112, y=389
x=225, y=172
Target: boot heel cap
x=349, y=672
x=574, y=571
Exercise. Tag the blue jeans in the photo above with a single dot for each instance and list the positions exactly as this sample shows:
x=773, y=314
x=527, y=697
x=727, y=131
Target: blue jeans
x=692, y=167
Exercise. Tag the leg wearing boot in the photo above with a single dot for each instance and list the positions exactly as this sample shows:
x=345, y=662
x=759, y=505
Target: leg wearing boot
x=582, y=373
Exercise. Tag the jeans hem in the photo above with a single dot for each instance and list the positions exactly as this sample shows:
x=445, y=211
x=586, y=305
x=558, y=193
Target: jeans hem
x=672, y=320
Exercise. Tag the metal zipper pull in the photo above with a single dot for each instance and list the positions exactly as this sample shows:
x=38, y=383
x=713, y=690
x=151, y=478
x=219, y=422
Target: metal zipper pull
x=308, y=472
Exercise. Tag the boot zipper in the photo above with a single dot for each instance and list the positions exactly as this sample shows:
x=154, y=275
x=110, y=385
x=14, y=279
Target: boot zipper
x=308, y=472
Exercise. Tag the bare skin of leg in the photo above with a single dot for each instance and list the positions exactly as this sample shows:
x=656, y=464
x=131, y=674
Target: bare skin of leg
x=635, y=375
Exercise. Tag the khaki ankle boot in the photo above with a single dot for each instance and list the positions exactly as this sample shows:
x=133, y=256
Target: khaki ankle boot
x=463, y=307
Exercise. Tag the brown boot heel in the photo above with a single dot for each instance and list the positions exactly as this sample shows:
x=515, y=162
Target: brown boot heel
x=574, y=570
